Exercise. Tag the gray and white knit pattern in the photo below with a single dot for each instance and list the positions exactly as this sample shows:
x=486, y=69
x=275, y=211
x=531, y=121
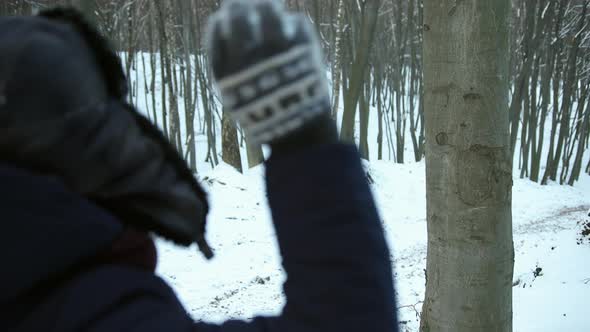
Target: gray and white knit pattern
x=277, y=95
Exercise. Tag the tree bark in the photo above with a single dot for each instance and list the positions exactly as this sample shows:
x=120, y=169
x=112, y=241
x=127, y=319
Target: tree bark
x=160, y=28
x=254, y=154
x=379, y=92
x=230, y=149
x=337, y=60
x=585, y=122
x=185, y=10
x=545, y=95
x=414, y=77
x=364, y=111
x=470, y=252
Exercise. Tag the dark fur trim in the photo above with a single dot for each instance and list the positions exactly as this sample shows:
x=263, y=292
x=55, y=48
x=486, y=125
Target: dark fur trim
x=171, y=155
x=107, y=60
x=113, y=74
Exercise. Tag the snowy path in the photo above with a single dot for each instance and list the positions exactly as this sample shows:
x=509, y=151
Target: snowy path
x=551, y=279
x=245, y=278
x=551, y=275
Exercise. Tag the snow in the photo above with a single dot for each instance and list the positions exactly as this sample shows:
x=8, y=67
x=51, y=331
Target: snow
x=245, y=277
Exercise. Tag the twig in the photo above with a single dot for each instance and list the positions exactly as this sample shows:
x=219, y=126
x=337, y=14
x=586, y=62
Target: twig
x=413, y=306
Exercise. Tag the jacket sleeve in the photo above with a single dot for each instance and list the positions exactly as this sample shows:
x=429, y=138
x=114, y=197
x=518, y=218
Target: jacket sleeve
x=339, y=275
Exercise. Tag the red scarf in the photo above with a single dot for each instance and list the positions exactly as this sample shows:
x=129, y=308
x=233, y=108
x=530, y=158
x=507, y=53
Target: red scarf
x=131, y=248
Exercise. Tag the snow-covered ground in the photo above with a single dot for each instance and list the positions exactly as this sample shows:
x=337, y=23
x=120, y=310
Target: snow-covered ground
x=551, y=273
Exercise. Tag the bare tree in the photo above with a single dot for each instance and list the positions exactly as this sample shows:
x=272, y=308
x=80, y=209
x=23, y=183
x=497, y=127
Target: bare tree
x=364, y=17
x=374, y=50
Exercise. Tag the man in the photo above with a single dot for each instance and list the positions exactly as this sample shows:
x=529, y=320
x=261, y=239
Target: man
x=85, y=178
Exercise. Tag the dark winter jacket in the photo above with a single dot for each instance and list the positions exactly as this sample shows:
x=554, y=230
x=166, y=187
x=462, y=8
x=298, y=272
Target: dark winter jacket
x=83, y=178
x=330, y=237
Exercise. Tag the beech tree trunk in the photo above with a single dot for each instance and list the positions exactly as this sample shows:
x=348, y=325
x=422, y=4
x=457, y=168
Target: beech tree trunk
x=470, y=254
x=230, y=149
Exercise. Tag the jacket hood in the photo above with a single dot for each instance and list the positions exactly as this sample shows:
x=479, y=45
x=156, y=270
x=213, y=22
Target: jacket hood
x=63, y=113
x=46, y=230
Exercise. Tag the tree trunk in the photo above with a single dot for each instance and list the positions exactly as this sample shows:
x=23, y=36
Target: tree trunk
x=368, y=22
x=569, y=90
x=545, y=97
x=337, y=60
x=414, y=76
x=364, y=123
x=317, y=17
x=558, y=47
x=523, y=73
x=88, y=7
x=160, y=28
x=230, y=149
x=152, y=52
x=379, y=92
x=207, y=101
x=468, y=167
x=524, y=130
x=585, y=118
x=254, y=153
x=185, y=9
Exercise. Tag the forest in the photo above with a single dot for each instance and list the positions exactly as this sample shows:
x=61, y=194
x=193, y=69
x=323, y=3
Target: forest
x=373, y=55
x=472, y=118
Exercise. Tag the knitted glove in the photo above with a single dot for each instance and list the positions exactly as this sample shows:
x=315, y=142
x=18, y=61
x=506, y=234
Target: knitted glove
x=268, y=68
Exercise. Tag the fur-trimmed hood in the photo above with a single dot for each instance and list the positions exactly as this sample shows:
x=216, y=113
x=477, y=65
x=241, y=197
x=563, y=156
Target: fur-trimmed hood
x=63, y=114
